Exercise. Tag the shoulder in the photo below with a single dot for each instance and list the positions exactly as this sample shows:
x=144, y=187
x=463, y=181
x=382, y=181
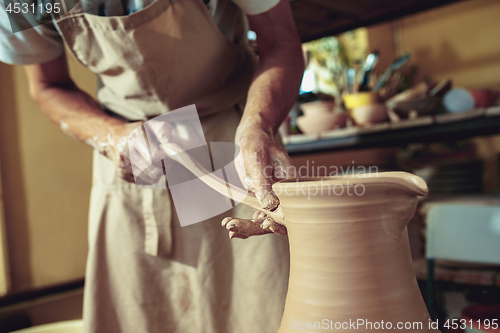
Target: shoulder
x=23, y=40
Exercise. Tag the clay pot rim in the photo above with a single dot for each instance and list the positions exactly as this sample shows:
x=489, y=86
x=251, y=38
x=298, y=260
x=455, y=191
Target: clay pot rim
x=405, y=179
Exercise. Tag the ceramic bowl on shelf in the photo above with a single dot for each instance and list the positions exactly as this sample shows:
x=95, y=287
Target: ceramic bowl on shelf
x=369, y=114
x=317, y=108
x=423, y=106
x=321, y=123
x=319, y=117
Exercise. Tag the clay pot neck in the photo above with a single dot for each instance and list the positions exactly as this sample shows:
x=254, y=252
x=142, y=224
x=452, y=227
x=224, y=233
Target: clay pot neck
x=390, y=197
x=401, y=182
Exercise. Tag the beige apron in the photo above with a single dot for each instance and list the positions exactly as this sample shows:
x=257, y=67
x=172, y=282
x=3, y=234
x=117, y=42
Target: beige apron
x=146, y=274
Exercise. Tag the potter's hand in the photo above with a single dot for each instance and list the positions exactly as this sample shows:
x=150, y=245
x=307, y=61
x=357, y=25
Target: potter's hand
x=115, y=147
x=127, y=147
x=260, y=163
x=260, y=224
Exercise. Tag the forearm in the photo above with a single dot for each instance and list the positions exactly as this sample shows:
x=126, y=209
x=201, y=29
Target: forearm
x=274, y=88
x=75, y=112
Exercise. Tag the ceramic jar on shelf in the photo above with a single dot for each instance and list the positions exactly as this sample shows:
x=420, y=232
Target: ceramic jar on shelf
x=320, y=116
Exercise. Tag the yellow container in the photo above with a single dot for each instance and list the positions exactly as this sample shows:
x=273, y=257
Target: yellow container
x=355, y=100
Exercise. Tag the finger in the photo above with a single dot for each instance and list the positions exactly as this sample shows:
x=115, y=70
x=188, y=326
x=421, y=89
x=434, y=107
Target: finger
x=260, y=181
x=248, y=228
x=225, y=221
x=138, y=152
x=273, y=226
x=137, y=140
x=127, y=175
x=264, y=192
x=260, y=170
x=258, y=217
x=243, y=227
x=160, y=132
x=139, y=156
x=142, y=169
x=236, y=235
x=124, y=167
x=125, y=172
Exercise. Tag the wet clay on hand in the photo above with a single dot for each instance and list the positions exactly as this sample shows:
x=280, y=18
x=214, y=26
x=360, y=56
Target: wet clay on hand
x=349, y=254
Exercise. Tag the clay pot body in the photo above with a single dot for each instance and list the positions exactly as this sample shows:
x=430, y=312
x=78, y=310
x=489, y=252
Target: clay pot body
x=349, y=253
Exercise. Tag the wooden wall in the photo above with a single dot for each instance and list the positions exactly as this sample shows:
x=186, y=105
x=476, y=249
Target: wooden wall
x=46, y=179
x=458, y=41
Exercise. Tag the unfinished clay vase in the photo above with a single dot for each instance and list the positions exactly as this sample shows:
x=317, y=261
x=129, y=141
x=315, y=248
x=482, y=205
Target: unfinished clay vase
x=350, y=262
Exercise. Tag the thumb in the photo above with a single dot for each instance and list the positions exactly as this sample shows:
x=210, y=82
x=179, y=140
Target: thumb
x=263, y=189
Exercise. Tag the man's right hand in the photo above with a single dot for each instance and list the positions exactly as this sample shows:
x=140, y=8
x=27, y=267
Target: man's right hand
x=116, y=147
x=131, y=151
